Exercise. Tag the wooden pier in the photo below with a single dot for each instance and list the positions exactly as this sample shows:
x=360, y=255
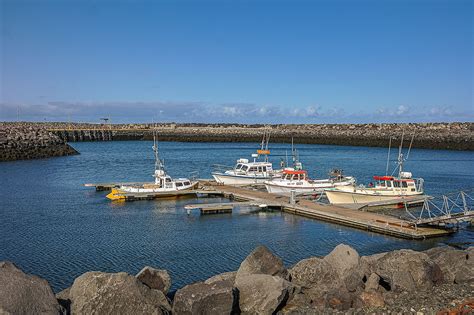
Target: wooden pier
x=364, y=220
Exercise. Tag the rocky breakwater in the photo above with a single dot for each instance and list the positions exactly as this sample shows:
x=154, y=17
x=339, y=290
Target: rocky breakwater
x=22, y=142
x=453, y=136
x=399, y=282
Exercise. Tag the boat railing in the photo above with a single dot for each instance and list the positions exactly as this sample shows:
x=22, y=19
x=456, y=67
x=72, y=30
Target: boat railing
x=194, y=175
x=448, y=209
x=220, y=168
x=419, y=182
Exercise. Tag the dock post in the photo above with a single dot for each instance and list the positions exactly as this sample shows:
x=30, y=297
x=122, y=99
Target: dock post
x=292, y=197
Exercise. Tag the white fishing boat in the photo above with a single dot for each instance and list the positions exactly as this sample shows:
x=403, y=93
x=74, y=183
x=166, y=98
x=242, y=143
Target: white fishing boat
x=298, y=181
x=247, y=172
x=163, y=182
x=385, y=189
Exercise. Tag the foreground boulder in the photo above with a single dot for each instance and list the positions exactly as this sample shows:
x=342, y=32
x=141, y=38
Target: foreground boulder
x=226, y=277
x=314, y=273
x=344, y=259
x=115, y=293
x=155, y=278
x=24, y=294
x=262, y=294
x=262, y=261
x=64, y=301
x=403, y=270
x=457, y=265
x=338, y=270
x=218, y=297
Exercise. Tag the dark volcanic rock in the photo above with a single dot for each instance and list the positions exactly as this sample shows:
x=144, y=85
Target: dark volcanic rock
x=227, y=277
x=314, y=273
x=155, y=278
x=261, y=293
x=403, y=270
x=24, y=294
x=64, y=301
x=115, y=293
x=28, y=142
x=453, y=136
x=217, y=297
x=457, y=265
x=262, y=261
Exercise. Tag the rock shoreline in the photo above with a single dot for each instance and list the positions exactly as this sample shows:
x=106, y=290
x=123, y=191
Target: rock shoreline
x=398, y=282
x=450, y=136
x=23, y=142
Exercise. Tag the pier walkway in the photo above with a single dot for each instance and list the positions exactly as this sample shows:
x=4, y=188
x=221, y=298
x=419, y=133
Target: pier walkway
x=368, y=221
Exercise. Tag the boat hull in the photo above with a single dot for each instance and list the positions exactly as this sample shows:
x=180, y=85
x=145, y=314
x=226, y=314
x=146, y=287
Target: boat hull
x=120, y=194
x=227, y=179
x=286, y=190
x=345, y=197
x=283, y=187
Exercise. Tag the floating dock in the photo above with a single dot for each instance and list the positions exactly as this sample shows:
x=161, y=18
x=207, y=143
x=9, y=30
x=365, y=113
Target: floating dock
x=226, y=207
x=364, y=220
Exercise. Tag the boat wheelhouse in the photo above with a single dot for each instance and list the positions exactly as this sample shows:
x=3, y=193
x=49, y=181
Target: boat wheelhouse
x=247, y=172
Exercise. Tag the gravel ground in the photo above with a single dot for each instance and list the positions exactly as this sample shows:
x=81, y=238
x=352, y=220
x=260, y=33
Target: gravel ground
x=441, y=300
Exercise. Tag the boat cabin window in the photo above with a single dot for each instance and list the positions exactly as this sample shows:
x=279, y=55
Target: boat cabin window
x=168, y=180
x=245, y=168
x=260, y=169
x=238, y=166
x=389, y=184
x=396, y=184
x=264, y=168
x=382, y=183
x=404, y=184
x=178, y=184
x=253, y=169
x=187, y=183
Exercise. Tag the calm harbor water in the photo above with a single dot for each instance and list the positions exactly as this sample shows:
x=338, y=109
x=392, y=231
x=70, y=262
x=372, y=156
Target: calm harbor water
x=53, y=226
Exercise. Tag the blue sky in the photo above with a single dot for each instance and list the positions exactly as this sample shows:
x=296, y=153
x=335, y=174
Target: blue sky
x=240, y=61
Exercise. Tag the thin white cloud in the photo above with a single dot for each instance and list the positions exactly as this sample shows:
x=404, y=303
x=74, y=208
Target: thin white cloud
x=227, y=112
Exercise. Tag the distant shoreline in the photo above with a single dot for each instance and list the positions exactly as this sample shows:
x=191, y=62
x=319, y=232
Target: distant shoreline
x=446, y=136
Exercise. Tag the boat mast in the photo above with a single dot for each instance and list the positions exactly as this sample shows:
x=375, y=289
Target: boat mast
x=293, y=152
x=388, y=155
x=400, y=157
x=264, y=145
x=158, y=164
x=409, y=148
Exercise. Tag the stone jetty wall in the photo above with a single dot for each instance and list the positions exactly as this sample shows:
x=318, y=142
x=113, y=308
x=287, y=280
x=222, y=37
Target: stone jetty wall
x=23, y=142
x=436, y=281
x=452, y=136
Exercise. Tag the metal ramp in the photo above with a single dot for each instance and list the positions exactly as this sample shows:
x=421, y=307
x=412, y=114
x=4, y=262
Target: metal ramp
x=449, y=209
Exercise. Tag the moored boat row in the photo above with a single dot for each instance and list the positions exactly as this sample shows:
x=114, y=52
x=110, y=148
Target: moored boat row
x=339, y=188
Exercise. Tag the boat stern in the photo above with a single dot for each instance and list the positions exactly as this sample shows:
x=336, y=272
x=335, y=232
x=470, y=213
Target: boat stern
x=115, y=194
